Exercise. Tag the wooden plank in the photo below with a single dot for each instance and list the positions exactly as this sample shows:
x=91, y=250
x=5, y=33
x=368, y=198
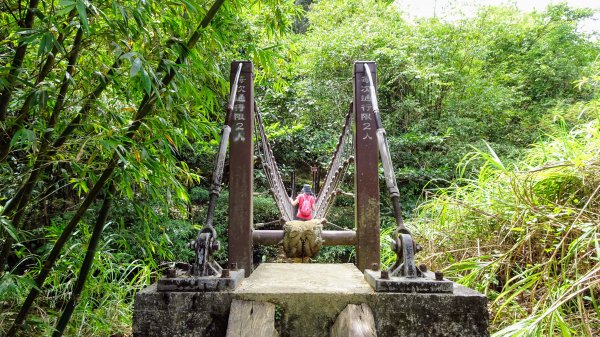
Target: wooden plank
x=251, y=319
x=354, y=321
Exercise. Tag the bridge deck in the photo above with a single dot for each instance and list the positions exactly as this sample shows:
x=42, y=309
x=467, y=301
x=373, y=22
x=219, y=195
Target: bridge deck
x=291, y=278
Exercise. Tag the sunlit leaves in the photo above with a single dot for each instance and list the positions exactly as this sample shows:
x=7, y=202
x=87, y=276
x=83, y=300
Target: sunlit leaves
x=533, y=243
x=80, y=5
x=24, y=139
x=7, y=227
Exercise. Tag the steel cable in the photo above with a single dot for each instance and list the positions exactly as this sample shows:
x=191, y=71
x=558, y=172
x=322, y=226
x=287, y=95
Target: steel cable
x=341, y=160
x=337, y=168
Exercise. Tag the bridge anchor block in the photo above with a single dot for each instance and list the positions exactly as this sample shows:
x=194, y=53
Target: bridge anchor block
x=401, y=284
x=190, y=283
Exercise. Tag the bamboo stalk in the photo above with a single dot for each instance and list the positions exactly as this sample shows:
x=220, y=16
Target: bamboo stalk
x=23, y=195
x=23, y=113
x=16, y=63
x=146, y=106
x=86, y=265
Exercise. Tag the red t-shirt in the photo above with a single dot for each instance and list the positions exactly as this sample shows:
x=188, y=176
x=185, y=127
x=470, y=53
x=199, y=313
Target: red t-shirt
x=301, y=198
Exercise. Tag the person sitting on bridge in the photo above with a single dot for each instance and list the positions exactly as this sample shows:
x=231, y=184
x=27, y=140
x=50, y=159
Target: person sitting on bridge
x=306, y=200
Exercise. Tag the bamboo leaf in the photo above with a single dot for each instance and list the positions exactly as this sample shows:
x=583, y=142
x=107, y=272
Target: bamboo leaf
x=67, y=6
x=83, y=18
x=46, y=43
x=146, y=82
x=8, y=227
x=136, y=66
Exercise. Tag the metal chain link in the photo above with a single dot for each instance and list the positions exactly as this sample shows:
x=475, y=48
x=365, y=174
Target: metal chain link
x=341, y=159
x=272, y=173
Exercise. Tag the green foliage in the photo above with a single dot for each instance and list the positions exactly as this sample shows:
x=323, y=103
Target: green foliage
x=500, y=81
x=265, y=209
x=104, y=305
x=198, y=194
x=526, y=234
x=442, y=85
x=72, y=107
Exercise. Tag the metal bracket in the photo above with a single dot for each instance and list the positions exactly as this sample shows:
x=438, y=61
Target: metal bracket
x=405, y=249
x=178, y=280
x=205, y=245
x=205, y=274
x=404, y=276
x=380, y=281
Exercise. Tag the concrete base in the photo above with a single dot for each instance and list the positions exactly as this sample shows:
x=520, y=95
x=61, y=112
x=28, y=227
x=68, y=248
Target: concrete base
x=308, y=299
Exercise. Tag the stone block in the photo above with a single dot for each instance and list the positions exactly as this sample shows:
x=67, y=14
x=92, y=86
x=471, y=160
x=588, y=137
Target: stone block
x=181, y=314
x=461, y=313
x=308, y=299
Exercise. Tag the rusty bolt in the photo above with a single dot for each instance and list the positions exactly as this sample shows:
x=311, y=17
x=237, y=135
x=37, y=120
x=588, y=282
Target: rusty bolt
x=385, y=275
x=375, y=266
x=233, y=266
x=171, y=273
x=225, y=273
x=423, y=268
x=439, y=276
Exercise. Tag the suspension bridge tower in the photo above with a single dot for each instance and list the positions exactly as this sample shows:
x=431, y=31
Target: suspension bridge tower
x=233, y=298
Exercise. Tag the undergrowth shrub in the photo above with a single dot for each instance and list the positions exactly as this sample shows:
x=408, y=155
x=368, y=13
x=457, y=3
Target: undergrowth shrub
x=526, y=234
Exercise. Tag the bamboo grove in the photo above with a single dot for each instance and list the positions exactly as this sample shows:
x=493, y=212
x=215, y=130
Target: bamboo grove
x=89, y=97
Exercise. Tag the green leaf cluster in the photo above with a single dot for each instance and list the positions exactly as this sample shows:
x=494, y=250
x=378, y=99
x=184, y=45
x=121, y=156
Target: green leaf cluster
x=443, y=85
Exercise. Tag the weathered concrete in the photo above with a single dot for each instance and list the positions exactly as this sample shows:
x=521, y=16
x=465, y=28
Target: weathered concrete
x=308, y=299
x=462, y=313
x=182, y=314
x=310, y=296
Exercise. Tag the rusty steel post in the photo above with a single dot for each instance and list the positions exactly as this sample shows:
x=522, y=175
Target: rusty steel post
x=330, y=238
x=366, y=180
x=241, y=169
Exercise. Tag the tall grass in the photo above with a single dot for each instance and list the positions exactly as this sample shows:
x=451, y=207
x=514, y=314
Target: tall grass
x=126, y=262
x=525, y=234
x=105, y=306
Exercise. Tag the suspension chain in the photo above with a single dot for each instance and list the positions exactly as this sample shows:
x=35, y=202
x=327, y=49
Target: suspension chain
x=272, y=173
x=206, y=242
x=340, y=161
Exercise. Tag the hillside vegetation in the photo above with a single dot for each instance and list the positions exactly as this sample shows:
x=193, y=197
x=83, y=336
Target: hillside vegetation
x=109, y=121
x=527, y=233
